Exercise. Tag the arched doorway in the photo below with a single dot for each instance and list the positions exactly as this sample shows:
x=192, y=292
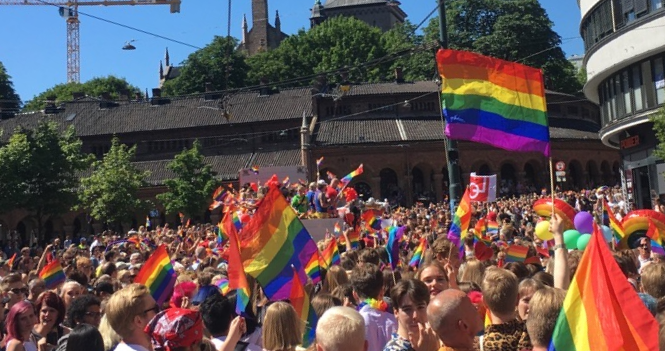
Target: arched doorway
x=484, y=170
x=21, y=229
x=48, y=230
x=531, y=178
x=508, y=179
x=364, y=191
x=606, y=173
x=417, y=181
x=389, y=184
x=593, y=178
x=575, y=180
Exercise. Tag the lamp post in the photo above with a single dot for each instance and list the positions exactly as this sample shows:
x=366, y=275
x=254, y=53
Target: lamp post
x=452, y=156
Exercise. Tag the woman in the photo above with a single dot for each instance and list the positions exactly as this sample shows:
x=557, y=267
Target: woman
x=110, y=337
x=526, y=290
x=410, y=298
x=85, y=337
x=70, y=291
x=282, y=328
x=51, y=312
x=19, y=323
x=473, y=271
x=434, y=276
x=335, y=276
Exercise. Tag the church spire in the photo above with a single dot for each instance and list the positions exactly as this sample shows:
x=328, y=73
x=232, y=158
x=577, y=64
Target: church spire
x=278, y=22
x=166, y=58
x=244, y=28
x=161, y=70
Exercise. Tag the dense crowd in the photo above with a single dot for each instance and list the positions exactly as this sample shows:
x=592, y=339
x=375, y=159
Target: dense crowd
x=474, y=301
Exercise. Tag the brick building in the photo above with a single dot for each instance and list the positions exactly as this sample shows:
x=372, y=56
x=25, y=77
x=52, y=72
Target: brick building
x=384, y=14
x=262, y=36
x=394, y=129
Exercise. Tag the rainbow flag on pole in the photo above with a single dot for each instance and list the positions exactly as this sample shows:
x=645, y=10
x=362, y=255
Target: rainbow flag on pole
x=495, y=102
x=223, y=285
x=237, y=277
x=301, y=302
x=158, y=275
x=331, y=253
x=52, y=274
x=395, y=235
x=313, y=268
x=460, y=226
x=615, y=225
x=418, y=253
x=601, y=312
x=516, y=253
x=347, y=178
x=656, y=240
x=273, y=241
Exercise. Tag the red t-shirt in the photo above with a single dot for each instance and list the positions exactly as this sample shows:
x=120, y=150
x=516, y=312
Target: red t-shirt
x=331, y=193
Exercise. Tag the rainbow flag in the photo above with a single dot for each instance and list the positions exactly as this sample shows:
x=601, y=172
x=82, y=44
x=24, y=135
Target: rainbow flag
x=52, y=274
x=301, y=302
x=601, y=312
x=418, y=254
x=615, y=225
x=354, y=238
x=223, y=285
x=337, y=230
x=255, y=169
x=480, y=229
x=656, y=240
x=460, y=225
x=10, y=262
x=319, y=162
x=371, y=222
x=313, y=268
x=158, y=275
x=236, y=221
x=237, y=277
x=347, y=178
x=516, y=253
x=493, y=102
x=395, y=235
x=492, y=227
x=220, y=194
x=331, y=254
x=221, y=236
x=272, y=241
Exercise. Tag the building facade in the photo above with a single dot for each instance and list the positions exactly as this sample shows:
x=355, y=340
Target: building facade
x=384, y=14
x=624, y=58
x=394, y=129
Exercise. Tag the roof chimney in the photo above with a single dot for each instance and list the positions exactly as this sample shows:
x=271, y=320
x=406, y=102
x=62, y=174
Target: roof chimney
x=106, y=96
x=209, y=93
x=156, y=92
x=123, y=94
x=399, y=77
x=78, y=95
x=138, y=96
x=265, y=89
x=157, y=98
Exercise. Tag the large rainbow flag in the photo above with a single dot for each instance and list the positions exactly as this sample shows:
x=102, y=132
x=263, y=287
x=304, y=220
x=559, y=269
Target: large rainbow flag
x=493, y=102
x=52, y=274
x=273, y=241
x=158, y=275
x=237, y=278
x=601, y=312
x=460, y=224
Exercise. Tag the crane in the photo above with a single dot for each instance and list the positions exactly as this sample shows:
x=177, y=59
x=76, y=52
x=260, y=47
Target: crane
x=68, y=9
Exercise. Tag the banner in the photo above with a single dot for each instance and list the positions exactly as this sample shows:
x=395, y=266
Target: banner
x=482, y=188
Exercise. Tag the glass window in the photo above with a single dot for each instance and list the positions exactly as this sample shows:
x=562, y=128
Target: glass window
x=659, y=80
x=637, y=88
x=655, y=5
x=625, y=88
x=621, y=111
x=613, y=99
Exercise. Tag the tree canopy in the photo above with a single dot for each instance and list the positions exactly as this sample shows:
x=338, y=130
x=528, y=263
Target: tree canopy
x=94, y=87
x=658, y=120
x=209, y=65
x=189, y=191
x=10, y=102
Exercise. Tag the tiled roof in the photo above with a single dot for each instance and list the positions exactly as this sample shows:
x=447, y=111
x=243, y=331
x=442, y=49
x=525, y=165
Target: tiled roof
x=423, y=129
x=88, y=119
x=277, y=158
x=345, y=3
x=420, y=87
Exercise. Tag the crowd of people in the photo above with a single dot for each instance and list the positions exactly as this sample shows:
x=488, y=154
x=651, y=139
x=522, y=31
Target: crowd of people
x=477, y=301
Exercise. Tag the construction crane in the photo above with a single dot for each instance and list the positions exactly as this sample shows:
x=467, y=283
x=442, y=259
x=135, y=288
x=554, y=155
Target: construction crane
x=69, y=11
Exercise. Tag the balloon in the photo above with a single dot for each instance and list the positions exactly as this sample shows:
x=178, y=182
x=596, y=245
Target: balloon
x=583, y=241
x=639, y=220
x=543, y=208
x=543, y=230
x=607, y=233
x=570, y=238
x=584, y=222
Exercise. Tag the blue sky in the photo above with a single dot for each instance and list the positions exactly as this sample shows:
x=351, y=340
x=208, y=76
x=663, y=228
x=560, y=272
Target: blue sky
x=34, y=52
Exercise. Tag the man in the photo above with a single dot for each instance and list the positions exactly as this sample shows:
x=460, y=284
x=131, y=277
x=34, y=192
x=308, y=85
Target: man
x=13, y=290
x=341, y=329
x=35, y=287
x=128, y=312
x=86, y=309
x=544, y=309
x=380, y=324
x=644, y=249
x=454, y=319
x=501, y=296
x=217, y=312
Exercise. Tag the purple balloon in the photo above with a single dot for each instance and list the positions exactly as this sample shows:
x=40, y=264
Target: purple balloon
x=584, y=222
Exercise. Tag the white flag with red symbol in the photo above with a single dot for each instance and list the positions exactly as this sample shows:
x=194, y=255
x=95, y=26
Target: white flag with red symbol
x=482, y=188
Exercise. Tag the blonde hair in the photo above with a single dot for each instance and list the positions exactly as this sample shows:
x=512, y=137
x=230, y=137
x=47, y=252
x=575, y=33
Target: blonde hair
x=282, y=328
x=335, y=277
x=529, y=285
x=474, y=271
x=111, y=338
x=500, y=291
x=653, y=280
x=341, y=329
x=544, y=309
x=123, y=306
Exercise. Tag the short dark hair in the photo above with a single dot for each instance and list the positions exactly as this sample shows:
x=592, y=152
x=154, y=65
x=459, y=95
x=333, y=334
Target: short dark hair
x=108, y=268
x=85, y=337
x=78, y=277
x=369, y=256
x=412, y=288
x=79, y=307
x=217, y=313
x=367, y=280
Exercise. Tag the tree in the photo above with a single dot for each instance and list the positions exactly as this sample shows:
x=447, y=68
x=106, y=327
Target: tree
x=209, y=65
x=403, y=38
x=189, y=192
x=110, y=192
x=39, y=170
x=10, y=102
x=336, y=43
x=497, y=28
x=658, y=120
x=94, y=87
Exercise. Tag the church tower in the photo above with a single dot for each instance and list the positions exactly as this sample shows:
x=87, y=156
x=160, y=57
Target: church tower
x=262, y=36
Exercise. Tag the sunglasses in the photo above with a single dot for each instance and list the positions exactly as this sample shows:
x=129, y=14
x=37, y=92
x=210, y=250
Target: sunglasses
x=17, y=291
x=154, y=309
x=98, y=314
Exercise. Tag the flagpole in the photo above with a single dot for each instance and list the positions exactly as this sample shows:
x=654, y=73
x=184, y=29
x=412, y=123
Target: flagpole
x=552, y=183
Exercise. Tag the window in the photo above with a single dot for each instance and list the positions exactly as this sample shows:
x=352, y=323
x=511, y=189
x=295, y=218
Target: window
x=659, y=80
x=655, y=5
x=621, y=109
x=637, y=88
x=625, y=88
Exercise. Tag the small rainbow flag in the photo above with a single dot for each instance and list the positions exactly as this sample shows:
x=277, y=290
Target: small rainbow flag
x=601, y=312
x=223, y=285
x=492, y=228
x=237, y=277
x=53, y=275
x=418, y=254
x=331, y=253
x=516, y=253
x=461, y=221
x=347, y=178
x=301, y=302
x=371, y=222
x=494, y=102
x=255, y=169
x=158, y=275
x=286, y=181
x=656, y=240
x=10, y=262
x=337, y=230
x=236, y=221
x=221, y=236
x=319, y=162
x=392, y=246
x=313, y=268
x=615, y=225
x=220, y=194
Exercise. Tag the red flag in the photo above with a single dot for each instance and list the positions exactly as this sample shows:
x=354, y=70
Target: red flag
x=482, y=188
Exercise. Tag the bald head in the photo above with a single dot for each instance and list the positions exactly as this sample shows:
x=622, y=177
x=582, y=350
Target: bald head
x=454, y=318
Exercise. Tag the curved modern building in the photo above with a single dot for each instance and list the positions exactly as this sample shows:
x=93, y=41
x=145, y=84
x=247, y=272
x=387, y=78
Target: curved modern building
x=624, y=42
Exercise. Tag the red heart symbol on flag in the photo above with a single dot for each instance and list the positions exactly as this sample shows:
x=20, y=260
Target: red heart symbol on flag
x=482, y=251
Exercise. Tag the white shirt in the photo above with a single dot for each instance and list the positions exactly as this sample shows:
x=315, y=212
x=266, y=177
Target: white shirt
x=130, y=347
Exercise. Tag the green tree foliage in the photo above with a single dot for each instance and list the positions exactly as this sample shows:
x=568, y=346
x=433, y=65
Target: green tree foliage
x=403, y=38
x=517, y=30
x=94, y=87
x=110, y=192
x=336, y=43
x=209, y=65
x=189, y=192
x=39, y=170
x=658, y=120
x=10, y=102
